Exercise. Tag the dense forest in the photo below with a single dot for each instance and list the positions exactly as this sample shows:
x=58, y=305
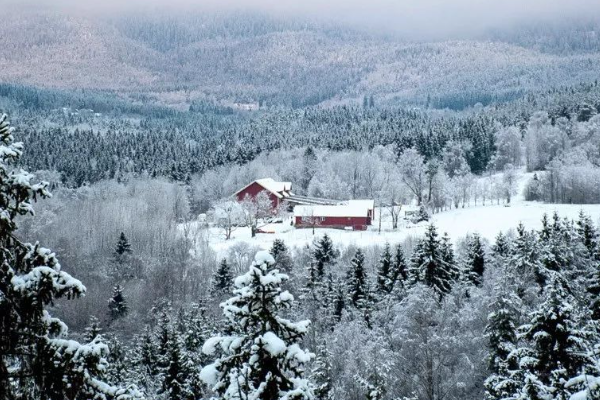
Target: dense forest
x=129, y=134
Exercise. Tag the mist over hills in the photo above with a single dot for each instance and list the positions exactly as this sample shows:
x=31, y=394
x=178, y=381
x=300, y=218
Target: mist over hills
x=230, y=57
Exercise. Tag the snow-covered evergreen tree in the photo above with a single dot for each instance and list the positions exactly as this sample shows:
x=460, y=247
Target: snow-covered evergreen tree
x=432, y=263
x=555, y=350
x=37, y=361
x=123, y=246
x=501, y=247
x=384, y=272
x=282, y=257
x=475, y=259
x=502, y=341
x=587, y=232
x=358, y=287
x=324, y=255
x=259, y=357
x=222, y=279
x=93, y=330
x=399, y=269
x=117, y=306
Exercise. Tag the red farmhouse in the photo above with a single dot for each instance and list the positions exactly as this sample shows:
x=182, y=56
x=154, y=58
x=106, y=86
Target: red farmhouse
x=353, y=214
x=277, y=191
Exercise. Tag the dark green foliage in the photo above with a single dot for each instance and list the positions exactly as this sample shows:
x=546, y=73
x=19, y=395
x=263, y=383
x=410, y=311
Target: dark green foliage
x=93, y=330
x=475, y=261
x=282, y=257
x=501, y=247
x=222, y=279
x=123, y=246
x=384, y=273
x=556, y=341
x=358, y=290
x=432, y=263
x=324, y=255
x=117, y=306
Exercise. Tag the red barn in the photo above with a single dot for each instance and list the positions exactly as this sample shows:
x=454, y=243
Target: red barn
x=350, y=215
x=277, y=191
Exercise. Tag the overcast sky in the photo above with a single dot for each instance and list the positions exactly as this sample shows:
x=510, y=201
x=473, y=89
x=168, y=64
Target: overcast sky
x=417, y=18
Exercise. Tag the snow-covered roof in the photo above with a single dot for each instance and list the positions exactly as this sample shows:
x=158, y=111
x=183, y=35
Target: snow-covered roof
x=340, y=210
x=279, y=189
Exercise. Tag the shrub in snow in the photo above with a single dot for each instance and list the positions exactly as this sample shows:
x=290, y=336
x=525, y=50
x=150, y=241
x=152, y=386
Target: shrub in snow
x=259, y=357
x=36, y=358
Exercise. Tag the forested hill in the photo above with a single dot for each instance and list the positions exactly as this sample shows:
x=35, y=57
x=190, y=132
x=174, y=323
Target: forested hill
x=241, y=57
x=124, y=139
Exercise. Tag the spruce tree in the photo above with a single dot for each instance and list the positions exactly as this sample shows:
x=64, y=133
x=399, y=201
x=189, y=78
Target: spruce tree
x=93, y=330
x=259, y=357
x=339, y=302
x=117, y=306
x=502, y=341
x=123, y=246
x=556, y=341
x=37, y=361
x=282, y=257
x=322, y=374
x=399, y=270
x=525, y=259
x=222, y=280
x=324, y=255
x=384, y=273
x=593, y=288
x=122, y=268
x=475, y=260
x=501, y=247
x=586, y=231
x=357, y=281
x=432, y=263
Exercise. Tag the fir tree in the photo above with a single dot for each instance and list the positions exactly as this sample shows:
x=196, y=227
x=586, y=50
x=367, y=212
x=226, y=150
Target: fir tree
x=586, y=231
x=146, y=350
x=222, y=280
x=525, y=259
x=117, y=306
x=93, y=330
x=282, y=257
x=122, y=268
x=339, y=302
x=399, y=270
x=357, y=280
x=501, y=247
x=123, y=247
x=322, y=374
x=260, y=358
x=384, y=273
x=324, y=255
x=502, y=336
x=475, y=261
x=431, y=263
x=556, y=342
x=593, y=289
x=36, y=359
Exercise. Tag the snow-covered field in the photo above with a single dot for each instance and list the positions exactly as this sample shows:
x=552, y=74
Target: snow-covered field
x=486, y=220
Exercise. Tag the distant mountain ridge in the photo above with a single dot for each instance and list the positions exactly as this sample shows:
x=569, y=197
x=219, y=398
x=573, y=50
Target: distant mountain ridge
x=240, y=57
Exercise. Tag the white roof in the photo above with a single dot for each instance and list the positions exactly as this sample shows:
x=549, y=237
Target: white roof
x=277, y=188
x=343, y=210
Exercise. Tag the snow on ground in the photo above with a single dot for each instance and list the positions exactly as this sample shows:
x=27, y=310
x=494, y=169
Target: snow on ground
x=486, y=220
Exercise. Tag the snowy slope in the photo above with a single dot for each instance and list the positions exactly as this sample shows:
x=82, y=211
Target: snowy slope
x=486, y=220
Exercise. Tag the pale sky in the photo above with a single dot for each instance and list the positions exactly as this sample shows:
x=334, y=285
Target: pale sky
x=417, y=18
